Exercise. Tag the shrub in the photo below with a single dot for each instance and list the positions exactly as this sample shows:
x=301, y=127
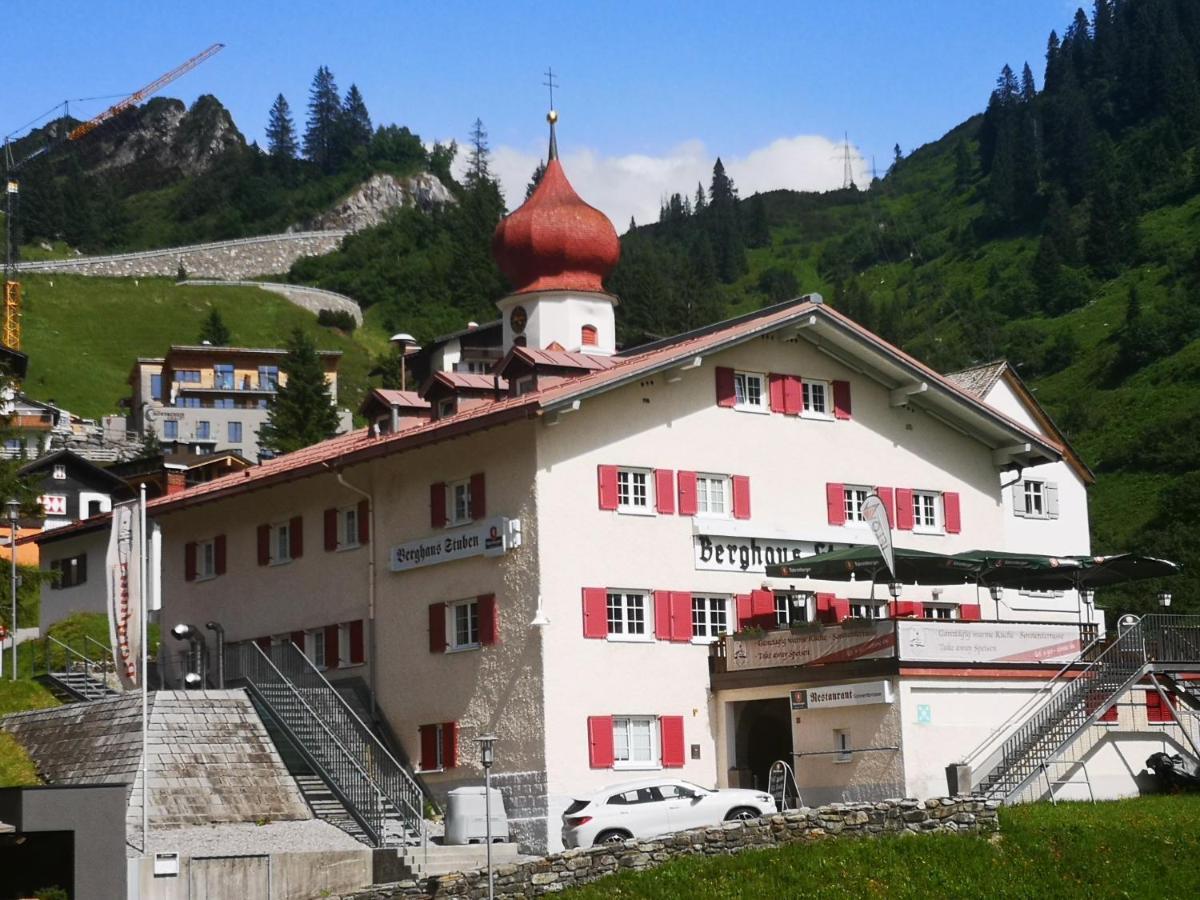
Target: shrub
x=340, y=319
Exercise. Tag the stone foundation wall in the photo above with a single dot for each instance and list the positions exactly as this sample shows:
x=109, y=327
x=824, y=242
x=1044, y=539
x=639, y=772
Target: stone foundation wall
x=960, y=815
x=525, y=802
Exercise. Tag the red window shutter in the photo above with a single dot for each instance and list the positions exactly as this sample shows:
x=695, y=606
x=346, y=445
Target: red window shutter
x=1109, y=715
x=588, y=336
x=687, y=493
x=364, y=522
x=745, y=612
x=888, y=497
x=298, y=640
x=841, y=608
x=449, y=745
x=681, y=616
x=478, y=496
x=296, y=536
x=437, y=505
x=904, y=509
x=841, y=399
x=264, y=545
x=776, y=384
x=901, y=609
x=357, y=650
x=741, y=496
x=429, y=743
x=793, y=395
x=762, y=608
x=825, y=602
x=219, y=554
x=600, y=742
x=595, y=613
x=607, y=481
x=835, y=503
x=664, y=491
x=662, y=615
x=670, y=729
x=332, y=659
x=951, y=507
x=331, y=529
x=1156, y=710
x=437, y=627
x=189, y=561
x=726, y=396
x=489, y=620
x=970, y=612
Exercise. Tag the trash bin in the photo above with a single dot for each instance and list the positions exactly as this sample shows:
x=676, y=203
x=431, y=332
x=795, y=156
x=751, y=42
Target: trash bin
x=466, y=816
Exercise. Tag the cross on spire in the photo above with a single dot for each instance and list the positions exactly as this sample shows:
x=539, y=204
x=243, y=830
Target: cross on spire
x=550, y=83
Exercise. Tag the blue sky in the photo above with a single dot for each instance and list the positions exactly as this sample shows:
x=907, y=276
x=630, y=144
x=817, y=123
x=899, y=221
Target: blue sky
x=652, y=83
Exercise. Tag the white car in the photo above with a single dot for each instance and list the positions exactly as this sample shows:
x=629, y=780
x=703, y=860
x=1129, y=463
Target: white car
x=644, y=809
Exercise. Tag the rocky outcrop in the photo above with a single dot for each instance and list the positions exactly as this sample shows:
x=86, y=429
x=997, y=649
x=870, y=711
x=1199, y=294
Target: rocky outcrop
x=377, y=197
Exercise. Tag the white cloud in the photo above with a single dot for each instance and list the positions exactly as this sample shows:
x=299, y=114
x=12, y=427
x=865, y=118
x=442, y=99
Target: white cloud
x=634, y=185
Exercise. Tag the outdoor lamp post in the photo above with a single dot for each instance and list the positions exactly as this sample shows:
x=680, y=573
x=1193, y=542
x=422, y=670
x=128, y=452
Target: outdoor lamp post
x=486, y=758
x=997, y=593
x=14, y=513
x=894, y=588
x=402, y=342
x=1164, y=598
x=1088, y=596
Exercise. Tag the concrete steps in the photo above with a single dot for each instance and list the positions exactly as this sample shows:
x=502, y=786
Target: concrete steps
x=443, y=859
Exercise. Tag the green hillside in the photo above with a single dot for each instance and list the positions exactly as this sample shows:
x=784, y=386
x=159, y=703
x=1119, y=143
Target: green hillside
x=83, y=334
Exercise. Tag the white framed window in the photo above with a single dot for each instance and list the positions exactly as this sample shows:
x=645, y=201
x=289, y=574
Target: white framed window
x=458, y=502
x=712, y=495
x=314, y=647
x=462, y=625
x=841, y=746
x=853, y=498
x=348, y=527
x=1034, y=498
x=635, y=742
x=710, y=618
x=938, y=612
x=868, y=609
x=791, y=607
x=927, y=511
x=523, y=385
x=60, y=472
x=635, y=489
x=816, y=400
x=281, y=543
x=629, y=616
x=206, y=559
x=446, y=407
x=749, y=391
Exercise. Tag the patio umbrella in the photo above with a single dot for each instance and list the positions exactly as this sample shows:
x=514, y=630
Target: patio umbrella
x=867, y=564
x=1048, y=573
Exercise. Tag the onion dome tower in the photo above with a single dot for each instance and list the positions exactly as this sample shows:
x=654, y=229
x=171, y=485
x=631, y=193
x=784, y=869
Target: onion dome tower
x=556, y=251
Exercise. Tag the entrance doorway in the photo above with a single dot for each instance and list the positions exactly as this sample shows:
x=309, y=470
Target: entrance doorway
x=763, y=735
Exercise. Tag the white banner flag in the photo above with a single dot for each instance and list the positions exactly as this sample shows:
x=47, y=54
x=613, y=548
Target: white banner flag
x=125, y=592
x=875, y=513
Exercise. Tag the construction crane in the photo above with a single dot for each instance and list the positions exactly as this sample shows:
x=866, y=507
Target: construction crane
x=11, y=335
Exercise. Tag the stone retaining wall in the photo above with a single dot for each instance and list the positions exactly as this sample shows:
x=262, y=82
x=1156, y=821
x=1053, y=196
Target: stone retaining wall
x=310, y=298
x=960, y=815
x=266, y=255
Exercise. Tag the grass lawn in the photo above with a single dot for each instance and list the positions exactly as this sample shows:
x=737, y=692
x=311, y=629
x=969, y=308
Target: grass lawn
x=16, y=768
x=1145, y=847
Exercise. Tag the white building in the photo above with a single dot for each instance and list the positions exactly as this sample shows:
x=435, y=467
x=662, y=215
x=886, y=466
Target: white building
x=551, y=550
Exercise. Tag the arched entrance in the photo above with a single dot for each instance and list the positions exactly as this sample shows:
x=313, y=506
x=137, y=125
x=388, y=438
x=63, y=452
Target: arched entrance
x=763, y=735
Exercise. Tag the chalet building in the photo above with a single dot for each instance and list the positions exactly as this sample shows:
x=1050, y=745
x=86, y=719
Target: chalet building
x=72, y=488
x=555, y=549
x=201, y=399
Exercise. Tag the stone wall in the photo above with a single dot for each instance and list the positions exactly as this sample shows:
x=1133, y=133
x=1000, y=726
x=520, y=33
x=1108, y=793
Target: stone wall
x=310, y=298
x=960, y=815
x=266, y=255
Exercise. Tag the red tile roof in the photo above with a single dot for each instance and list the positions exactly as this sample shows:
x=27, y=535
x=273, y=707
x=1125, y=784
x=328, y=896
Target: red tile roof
x=563, y=359
x=400, y=398
x=469, y=381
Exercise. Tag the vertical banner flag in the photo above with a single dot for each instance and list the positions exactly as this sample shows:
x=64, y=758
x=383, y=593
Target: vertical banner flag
x=875, y=513
x=125, y=592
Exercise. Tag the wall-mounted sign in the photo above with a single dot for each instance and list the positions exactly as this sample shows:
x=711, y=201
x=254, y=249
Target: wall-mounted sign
x=492, y=537
x=859, y=693
x=784, y=648
x=987, y=642
x=720, y=553
x=53, y=504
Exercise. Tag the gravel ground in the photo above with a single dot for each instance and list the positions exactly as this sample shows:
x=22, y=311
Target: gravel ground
x=245, y=838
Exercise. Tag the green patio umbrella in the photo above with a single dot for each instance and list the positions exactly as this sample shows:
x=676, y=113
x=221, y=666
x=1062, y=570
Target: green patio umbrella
x=1048, y=573
x=867, y=564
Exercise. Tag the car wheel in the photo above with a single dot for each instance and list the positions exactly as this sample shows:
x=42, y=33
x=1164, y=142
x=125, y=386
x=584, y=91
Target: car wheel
x=742, y=814
x=612, y=836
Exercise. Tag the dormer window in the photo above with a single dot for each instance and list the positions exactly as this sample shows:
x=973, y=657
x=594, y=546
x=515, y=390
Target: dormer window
x=523, y=385
x=446, y=407
x=589, y=336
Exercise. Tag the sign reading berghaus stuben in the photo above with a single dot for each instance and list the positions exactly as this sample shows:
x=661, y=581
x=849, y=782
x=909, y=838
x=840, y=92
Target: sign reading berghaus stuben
x=492, y=537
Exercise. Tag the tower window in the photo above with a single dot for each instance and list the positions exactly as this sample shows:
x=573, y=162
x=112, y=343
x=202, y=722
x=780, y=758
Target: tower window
x=589, y=336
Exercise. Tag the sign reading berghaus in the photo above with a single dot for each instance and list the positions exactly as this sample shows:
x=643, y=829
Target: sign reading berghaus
x=492, y=537
x=720, y=553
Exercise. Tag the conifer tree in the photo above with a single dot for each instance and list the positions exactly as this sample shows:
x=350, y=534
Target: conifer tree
x=281, y=131
x=354, y=126
x=215, y=331
x=699, y=202
x=302, y=412
x=324, y=113
x=479, y=157
x=963, y=167
x=535, y=179
x=1028, y=88
x=758, y=229
x=724, y=226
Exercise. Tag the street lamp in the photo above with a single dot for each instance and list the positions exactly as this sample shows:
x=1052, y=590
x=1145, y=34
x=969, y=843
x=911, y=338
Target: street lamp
x=402, y=342
x=894, y=588
x=14, y=513
x=486, y=758
x=1164, y=598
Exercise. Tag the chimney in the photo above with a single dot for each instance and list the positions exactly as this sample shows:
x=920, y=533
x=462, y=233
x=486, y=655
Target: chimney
x=176, y=482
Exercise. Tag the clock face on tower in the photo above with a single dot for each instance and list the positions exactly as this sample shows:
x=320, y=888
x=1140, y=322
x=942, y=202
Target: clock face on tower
x=518, y=319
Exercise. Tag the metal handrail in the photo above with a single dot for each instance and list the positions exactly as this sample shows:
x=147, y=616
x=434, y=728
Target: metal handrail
x=78, y=658
x=105, y=659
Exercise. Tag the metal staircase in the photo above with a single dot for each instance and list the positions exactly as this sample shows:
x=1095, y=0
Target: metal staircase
x=1079, y=696
x=372, y=787
x=72, y=674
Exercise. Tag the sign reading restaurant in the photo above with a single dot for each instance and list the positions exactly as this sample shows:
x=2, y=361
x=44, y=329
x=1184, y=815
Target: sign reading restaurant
x=492, y=537
x=721, y=553
x=858, y=693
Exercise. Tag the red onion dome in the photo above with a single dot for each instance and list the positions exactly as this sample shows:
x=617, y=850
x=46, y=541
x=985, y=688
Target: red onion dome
x=555, y=241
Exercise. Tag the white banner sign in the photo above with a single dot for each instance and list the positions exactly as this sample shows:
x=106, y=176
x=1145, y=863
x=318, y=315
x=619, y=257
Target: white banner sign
x=125, y=591
x=860, y=693
x=492, y=537
x=875, y=513
x=719, y=553
x=987, y=642
x=806, y=648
